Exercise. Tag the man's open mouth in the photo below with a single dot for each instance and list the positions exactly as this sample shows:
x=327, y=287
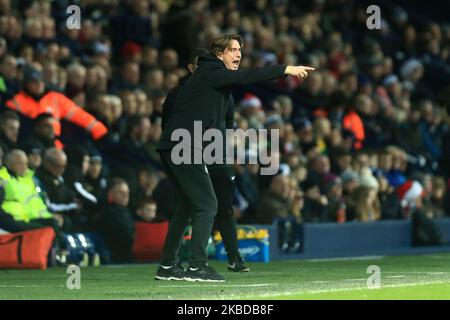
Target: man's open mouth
x=236, y=63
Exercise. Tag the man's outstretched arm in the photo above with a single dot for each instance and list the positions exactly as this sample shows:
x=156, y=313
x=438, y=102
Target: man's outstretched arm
x=224, y=77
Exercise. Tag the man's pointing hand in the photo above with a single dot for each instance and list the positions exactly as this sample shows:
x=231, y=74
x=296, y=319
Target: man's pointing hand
x=298, y=71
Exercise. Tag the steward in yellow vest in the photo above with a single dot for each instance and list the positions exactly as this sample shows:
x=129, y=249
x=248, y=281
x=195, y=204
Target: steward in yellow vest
x=20, y=195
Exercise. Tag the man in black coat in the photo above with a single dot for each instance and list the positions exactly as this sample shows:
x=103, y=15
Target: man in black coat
x=222, y=176
x=43, y=134
x=115, y=223
x=61, y=198
x=204, y=97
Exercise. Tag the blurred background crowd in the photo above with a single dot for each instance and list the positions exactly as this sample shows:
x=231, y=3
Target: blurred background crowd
x=365, y=137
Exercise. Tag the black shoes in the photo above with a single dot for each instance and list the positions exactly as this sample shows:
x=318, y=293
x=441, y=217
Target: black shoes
x=238, y=266
x=203, y=274
x=175, y=272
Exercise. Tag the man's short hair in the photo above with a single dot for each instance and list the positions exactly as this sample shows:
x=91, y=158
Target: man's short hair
x=116, y=182
x=51, y=154
x=8, y=115
x=146, y=201
x=223, y=42
x=42, y=117
x=12, y=155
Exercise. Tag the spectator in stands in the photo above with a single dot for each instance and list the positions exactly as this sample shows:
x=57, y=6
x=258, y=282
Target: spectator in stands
x=95, y=181
x=364, y=205
x=115, y=224
x=129, y=77
x=148, y=181
x=34, y=157
x=21, y=205
x=390, y=204
x=434, y=206
x=9, y=84
x=61, y=198
x=132, y=152
x=43, y=134
x=34, y=100
x=333, y=192
x=247, y=183
x=276, y=203
x=9, y=130
x=315, y=208
x=78, y=162
x=146, y=211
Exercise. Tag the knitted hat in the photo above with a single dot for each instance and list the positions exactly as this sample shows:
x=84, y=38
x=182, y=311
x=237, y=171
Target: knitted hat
x=250, y=101
x=409, y=192
x=130, y=48
x=408, y=67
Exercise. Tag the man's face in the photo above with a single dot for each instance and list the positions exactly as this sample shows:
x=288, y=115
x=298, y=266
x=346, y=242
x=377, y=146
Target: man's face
x=36, y=87
x=20, y=165
x=95, y=168
x=231, y=56
x=147, y=212
x=58, y=166
x=120, y=195
x=85, y=164
x=34, y=160
x=45, y=129
x=11, y=129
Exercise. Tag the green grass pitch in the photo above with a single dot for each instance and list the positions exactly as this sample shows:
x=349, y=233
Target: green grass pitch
x=403, y=277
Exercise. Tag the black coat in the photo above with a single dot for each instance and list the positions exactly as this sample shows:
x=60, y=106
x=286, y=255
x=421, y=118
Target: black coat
x=116, y=227
x=206, y=95
x=61, y=198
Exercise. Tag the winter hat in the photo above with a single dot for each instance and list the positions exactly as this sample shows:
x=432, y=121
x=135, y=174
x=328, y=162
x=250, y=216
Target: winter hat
x=390, y=80
x=349, y=176
x=409, y=192
x=408, y=67
x=250, y=101
x=368, y=180
x=274, y=119
x=130, y=48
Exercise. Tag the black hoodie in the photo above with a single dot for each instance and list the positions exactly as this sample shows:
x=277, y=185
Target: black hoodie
x=206, y=95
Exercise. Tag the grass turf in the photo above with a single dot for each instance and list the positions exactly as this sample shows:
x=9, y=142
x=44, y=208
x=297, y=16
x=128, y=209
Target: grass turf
x=404, y=277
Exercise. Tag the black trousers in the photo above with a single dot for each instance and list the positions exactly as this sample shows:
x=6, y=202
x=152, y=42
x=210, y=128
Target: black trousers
x=222, y=178
x=194, y=200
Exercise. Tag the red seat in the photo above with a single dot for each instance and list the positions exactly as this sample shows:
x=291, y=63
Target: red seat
x=149, y=241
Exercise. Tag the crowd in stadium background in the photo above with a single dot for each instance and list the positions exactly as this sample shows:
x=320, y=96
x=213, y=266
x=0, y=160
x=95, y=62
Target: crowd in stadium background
x=365, y=132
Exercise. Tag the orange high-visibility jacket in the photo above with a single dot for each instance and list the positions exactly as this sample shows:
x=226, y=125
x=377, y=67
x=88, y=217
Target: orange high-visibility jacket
x=60, y=107
x=352, y=121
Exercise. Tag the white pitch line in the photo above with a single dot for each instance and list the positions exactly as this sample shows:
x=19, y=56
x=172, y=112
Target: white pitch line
x=289, y=293
x=221, y=285
x=346, y=259
x=29, y=286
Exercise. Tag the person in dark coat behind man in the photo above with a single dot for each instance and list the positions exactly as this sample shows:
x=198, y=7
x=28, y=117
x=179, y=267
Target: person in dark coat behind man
x=78, y=162
x=43, y=134
x=204, y=97
x=115, y=223
x=9, y=130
